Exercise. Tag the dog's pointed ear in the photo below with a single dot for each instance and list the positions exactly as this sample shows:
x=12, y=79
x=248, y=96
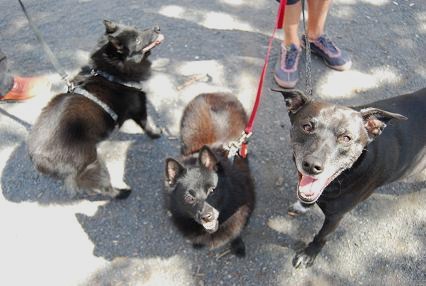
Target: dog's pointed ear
x=207, y=159
x=116, y=43
x=110, y=26
x=174, y=170
x=375, y=120
x=294, y=99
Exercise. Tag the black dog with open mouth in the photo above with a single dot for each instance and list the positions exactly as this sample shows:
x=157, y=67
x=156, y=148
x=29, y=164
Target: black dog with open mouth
x=63, y=141
x=341, y=159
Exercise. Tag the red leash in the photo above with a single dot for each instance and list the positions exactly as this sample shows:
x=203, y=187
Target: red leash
x=249, y=127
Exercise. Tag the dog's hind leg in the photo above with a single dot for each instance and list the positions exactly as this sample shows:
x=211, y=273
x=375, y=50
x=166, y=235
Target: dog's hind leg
x=150, y=128
x=95, y=177
x=71, y=185
x=146, y=123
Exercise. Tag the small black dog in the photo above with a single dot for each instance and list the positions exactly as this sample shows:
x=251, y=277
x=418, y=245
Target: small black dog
x=341, y=159
x=63, y=141
x=210, y=198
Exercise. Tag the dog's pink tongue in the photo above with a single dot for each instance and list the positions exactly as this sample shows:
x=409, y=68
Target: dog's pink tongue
x=310, y=186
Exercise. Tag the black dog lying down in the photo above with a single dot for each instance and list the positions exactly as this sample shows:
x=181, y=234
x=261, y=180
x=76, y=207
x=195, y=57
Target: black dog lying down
x=341, y=159
x=210, y=198
x=62, y=142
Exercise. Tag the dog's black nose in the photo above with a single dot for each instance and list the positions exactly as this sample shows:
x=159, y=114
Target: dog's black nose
x=157, y=28
x=312, y=165
x=207, y=216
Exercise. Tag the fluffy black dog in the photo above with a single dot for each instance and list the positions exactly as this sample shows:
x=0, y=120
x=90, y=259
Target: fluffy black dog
x=210, y=198
x=63, y=141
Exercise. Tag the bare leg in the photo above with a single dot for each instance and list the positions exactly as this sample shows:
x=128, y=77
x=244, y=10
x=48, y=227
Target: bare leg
x=291, y=24
x=318, y=10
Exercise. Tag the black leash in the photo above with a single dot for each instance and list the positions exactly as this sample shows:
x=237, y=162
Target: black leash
x=308, y=63
x=48, y=51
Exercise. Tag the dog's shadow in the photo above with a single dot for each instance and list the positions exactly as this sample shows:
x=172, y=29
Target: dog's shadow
x=21, y=182
x=139, y=225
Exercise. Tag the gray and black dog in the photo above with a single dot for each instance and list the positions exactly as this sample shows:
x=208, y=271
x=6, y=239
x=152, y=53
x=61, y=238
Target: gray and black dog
x=63, y=141
x=341, y=159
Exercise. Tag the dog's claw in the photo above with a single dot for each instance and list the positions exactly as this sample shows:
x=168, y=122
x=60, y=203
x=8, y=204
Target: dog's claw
x=303, y=258
x=293, y=212
x=297, y=261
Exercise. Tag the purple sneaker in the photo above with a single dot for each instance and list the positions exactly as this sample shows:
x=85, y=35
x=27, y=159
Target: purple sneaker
x=332, y=55
x=286, y=74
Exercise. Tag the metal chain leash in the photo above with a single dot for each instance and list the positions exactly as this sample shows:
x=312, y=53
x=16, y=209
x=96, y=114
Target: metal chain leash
x=308, y=70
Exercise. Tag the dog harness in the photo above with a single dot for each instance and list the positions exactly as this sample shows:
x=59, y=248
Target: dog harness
x=105, y=107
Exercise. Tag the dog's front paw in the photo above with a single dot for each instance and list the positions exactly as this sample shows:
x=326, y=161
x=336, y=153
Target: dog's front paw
x=304, y=258
x=296, y=209
x=197, y=245
x=238, y=248
x=123, y=194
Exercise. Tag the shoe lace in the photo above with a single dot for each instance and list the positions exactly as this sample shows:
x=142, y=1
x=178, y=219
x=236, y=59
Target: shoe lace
x=290, y=56
x=327, y=43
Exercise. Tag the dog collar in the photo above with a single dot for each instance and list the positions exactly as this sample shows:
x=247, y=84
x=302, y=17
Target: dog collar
x=105, y=107
x=109, y=77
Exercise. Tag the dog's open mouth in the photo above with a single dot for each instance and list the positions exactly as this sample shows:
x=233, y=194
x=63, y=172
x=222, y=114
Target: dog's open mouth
x=156, y=42
x=310, y=189
x=212, y=224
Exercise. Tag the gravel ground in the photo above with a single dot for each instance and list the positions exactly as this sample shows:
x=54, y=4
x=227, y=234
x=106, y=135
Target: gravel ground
x=48, y=238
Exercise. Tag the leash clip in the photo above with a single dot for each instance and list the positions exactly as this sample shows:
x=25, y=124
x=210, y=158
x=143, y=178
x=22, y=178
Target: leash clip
x=238, y=146
x=70, y=85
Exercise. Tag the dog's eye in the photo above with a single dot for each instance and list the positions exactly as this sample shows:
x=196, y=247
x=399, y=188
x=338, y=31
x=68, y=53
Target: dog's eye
x=308, y=128
x=210, y=190
x=189, y=199
x=345, y=138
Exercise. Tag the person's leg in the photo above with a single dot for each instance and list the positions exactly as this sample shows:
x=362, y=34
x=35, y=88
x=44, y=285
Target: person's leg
x=319, y=43
x=317, y=11
x=6, y=80
x=286, y=74
x=291, y=23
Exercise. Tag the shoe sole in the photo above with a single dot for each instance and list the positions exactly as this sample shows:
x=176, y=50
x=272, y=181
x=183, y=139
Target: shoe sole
x=285, y=84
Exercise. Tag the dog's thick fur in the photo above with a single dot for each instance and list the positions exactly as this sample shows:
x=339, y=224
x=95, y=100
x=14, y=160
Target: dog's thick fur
x=343, y=154
x=210, y=198
x=63, y=141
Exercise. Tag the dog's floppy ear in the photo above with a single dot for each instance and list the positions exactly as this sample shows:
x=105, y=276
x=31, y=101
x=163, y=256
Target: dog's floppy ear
x=207, y=159
x=294, y=99
x=116, y=43
x=375, y=120
x=174, y=170
x=110, y=26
